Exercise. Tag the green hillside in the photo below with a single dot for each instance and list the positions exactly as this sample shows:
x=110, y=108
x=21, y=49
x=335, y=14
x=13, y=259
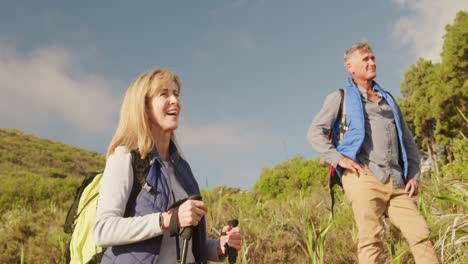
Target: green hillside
x=32, y=168
x=22, y=152
x=38, y=180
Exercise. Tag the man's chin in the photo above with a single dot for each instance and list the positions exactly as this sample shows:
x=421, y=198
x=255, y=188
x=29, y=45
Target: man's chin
x=372, y=77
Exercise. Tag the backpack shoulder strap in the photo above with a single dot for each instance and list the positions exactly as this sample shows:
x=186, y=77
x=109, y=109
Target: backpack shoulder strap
x=140, y=170
x=342, y=94
x=140, y=167
x=342, y=115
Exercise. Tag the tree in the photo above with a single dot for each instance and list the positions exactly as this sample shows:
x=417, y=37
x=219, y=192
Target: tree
x=418, y=90
x=454, y=75
x=291, y=177
x=433, y=92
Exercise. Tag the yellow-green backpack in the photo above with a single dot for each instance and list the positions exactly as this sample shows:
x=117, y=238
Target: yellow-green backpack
x=80, y=217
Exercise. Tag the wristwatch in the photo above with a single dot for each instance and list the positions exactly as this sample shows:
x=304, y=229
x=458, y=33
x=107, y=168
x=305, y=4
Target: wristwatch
x=161, y=220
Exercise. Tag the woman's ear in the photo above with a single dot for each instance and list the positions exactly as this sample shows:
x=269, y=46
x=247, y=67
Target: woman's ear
x=147, y=106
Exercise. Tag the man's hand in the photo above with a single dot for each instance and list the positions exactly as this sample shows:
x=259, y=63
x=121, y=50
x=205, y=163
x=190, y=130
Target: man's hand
x=412, y=187
x=347, y=163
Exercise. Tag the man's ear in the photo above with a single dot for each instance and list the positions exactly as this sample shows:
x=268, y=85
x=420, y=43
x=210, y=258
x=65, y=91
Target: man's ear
x=349, y=68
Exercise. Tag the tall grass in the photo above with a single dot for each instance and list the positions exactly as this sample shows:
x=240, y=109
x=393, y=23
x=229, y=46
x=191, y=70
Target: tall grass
x=452, y=205
x=316, y=243
x=298, y=229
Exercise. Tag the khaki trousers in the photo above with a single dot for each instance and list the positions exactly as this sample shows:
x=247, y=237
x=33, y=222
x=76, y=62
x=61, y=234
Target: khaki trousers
x=370, y=200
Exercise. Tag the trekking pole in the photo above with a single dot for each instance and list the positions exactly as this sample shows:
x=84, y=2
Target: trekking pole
x=187, y=233
x=231, y=252
x=186, y=236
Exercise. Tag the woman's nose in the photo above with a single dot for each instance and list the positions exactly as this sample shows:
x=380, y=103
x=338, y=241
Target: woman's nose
x=174, y=99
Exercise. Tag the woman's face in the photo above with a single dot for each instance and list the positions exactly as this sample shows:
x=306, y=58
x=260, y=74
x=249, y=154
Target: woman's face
x=164, y=108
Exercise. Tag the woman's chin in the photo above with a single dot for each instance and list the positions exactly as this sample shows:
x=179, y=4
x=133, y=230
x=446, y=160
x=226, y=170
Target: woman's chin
x=171, y=128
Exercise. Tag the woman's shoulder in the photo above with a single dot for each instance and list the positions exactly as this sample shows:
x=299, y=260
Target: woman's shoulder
x=120, y=153
x=122, y=150
x=118, y=162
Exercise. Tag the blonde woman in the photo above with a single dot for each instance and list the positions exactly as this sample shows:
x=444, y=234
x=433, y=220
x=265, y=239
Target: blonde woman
x=137, y=232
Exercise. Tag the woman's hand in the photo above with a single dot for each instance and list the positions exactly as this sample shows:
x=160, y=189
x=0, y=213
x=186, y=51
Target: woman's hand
x=233, y=238
x=190, y=213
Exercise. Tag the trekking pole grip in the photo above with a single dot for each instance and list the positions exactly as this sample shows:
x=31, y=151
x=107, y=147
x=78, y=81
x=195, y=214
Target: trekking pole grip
x=187, y=232
x=231, y=252
x=195, y=197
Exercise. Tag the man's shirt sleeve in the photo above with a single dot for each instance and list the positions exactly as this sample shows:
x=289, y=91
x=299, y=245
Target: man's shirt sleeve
x=321, y=126
x=414, y=160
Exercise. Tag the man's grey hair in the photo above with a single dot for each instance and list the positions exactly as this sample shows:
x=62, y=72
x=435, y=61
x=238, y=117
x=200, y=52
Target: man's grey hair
x=358, y=46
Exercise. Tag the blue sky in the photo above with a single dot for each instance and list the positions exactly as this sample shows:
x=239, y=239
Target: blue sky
x=254, y=72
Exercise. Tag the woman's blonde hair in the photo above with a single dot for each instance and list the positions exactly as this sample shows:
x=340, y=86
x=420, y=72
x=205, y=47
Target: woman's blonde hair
x=134, y=130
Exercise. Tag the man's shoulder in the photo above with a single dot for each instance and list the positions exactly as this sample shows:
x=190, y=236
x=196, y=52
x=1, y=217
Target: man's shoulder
x=337, y=92
x=334, y=97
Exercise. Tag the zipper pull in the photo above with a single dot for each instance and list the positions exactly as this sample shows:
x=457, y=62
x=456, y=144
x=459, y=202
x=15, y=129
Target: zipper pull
x=147, y=187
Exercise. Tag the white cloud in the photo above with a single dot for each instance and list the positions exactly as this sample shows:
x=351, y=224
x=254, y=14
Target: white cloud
x=423, y=28
x=228, y=152
x=226, y=138
x=50, y=87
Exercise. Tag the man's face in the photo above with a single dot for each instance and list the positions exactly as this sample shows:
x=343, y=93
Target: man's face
x=362, y=65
